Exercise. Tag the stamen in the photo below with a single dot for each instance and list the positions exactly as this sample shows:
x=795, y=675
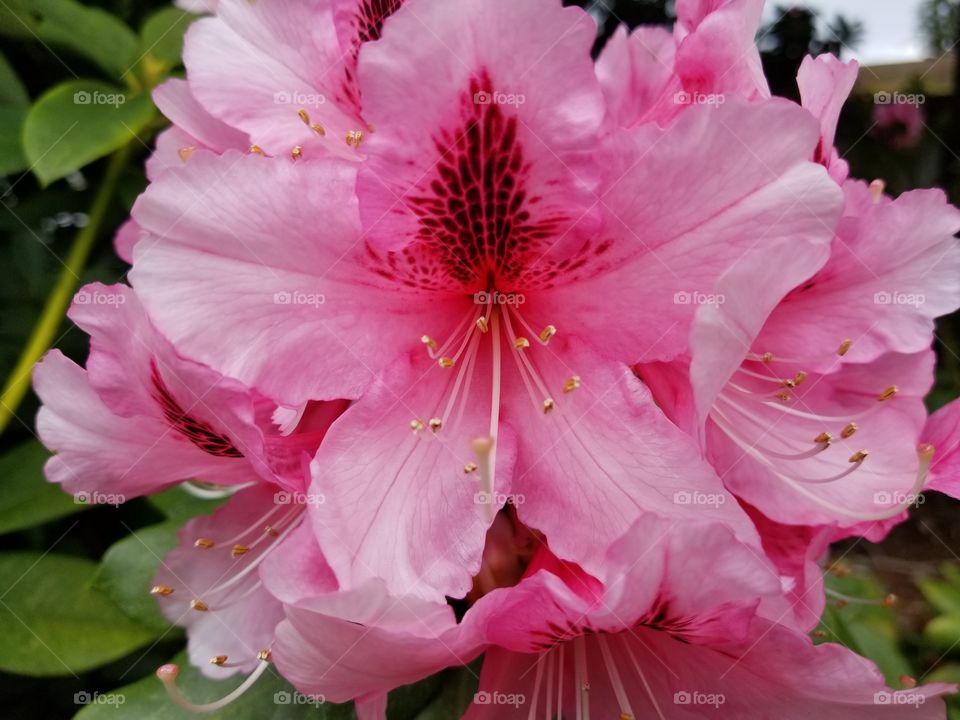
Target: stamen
x=844, y=347
x=429, y=342
x=239, y=550
x=521, y=343
x=582, y=679
x=470, y=468
x=548, y=332
x=257, y=150
x=483, y=447
x=824, y=437
x=482, y=325
x=888, y=393
x=203, y=543
x=548, y=405
x=536, y=689
x=186, y=152
x=218, y=660
x=416, y=425
x=859, y=456
x=767, y=357
x=304, y=116
x=435, y=424
x=848, y=431
x=354, y=138
x=296, y=153
x=643, y=679
x=572, y=383
x=168, y=676
x=161, y=590
x=199, y=605
x=445, y=362
x=618, y=690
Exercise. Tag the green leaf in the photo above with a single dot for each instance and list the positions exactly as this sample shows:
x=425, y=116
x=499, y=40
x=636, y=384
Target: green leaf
x=162, y=35
x=14, y=102
x=78, y=122
x=27, y=498
x=944, y=596
x=88, y=31
x=457, y=692
x=177, y=504
x=12, y=91
x=127, y=570
x=54, y=623
x=271, y=698
x=944, y=632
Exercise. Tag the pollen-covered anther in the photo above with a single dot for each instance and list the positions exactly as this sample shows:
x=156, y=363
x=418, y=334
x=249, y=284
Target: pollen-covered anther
x=265, y=655
x=203, y=543
x=318, y=129
x=416, y=425
x=239, y=550
x=888, y=393
x=296, y=153
x=470, y=468
x=257, y=150
x=482, y=325
x=572, y=383
x=354, y=138
x=435, y=424
x=218, y=660
x=199, y=605
x=799, y=378
x=521, y=343
x=859, y=456
x=445, y=362
x=844, y=347
x=186, y=152
x=429, y=342
x=161, y=590
x=848, y=431
x=626, y=716
x=784, y=396
x=823, y=438
x=548, y=405
x=548, y=332
x=271, y=531
x=767, y=357
x=304, y=116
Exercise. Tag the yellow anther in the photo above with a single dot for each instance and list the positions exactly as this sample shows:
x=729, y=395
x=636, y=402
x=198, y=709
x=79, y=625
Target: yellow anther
x=859, y=456
x=354, y=138
x=767, y=357
x=800, y=377
x=548, y=405
x=296, y=153
x=199, y=605
x=482, y=325
x=470, y=468
x=823, y=438
x=318, y=129
x=888, y=393
x=257, y=150
x=304, y=116
x=429, y=342
x=161, y=590
x=789, y=383
x=186, y=152
x=445, y=362
x=848, y=431
x=844, y=347
x=416, y=425
x=520, y=343
x=548, y=332
x=264, y=655
x=572, y=383
x=218, y=659
x=783, y=396
x=436, y=423
x=203, y=543
x=239, y=550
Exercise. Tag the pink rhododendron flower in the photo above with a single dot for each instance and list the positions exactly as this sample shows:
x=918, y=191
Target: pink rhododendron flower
x=942, y=432
x=825, y=83
x=481, y=241
x=670, y=632
x=899, y=124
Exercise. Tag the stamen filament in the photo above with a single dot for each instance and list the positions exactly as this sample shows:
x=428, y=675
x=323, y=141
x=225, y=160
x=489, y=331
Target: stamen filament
x=168, y=676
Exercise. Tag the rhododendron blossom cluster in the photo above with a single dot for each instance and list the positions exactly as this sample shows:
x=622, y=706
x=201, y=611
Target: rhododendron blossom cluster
x=497, y=350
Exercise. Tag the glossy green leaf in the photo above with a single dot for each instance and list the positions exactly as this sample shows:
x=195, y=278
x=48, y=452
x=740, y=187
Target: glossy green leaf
x=943, y=595
x=87, y=31
x=27, y=498
x=14, y=102
x=177, y=504
x=944, y=632
x=271, y=698
x=12, y=91
x=78, y=122
x=162, y=35
x=127, y=570
x=53, y=622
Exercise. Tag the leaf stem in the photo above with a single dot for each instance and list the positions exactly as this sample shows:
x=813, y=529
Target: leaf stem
x=59, y=299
